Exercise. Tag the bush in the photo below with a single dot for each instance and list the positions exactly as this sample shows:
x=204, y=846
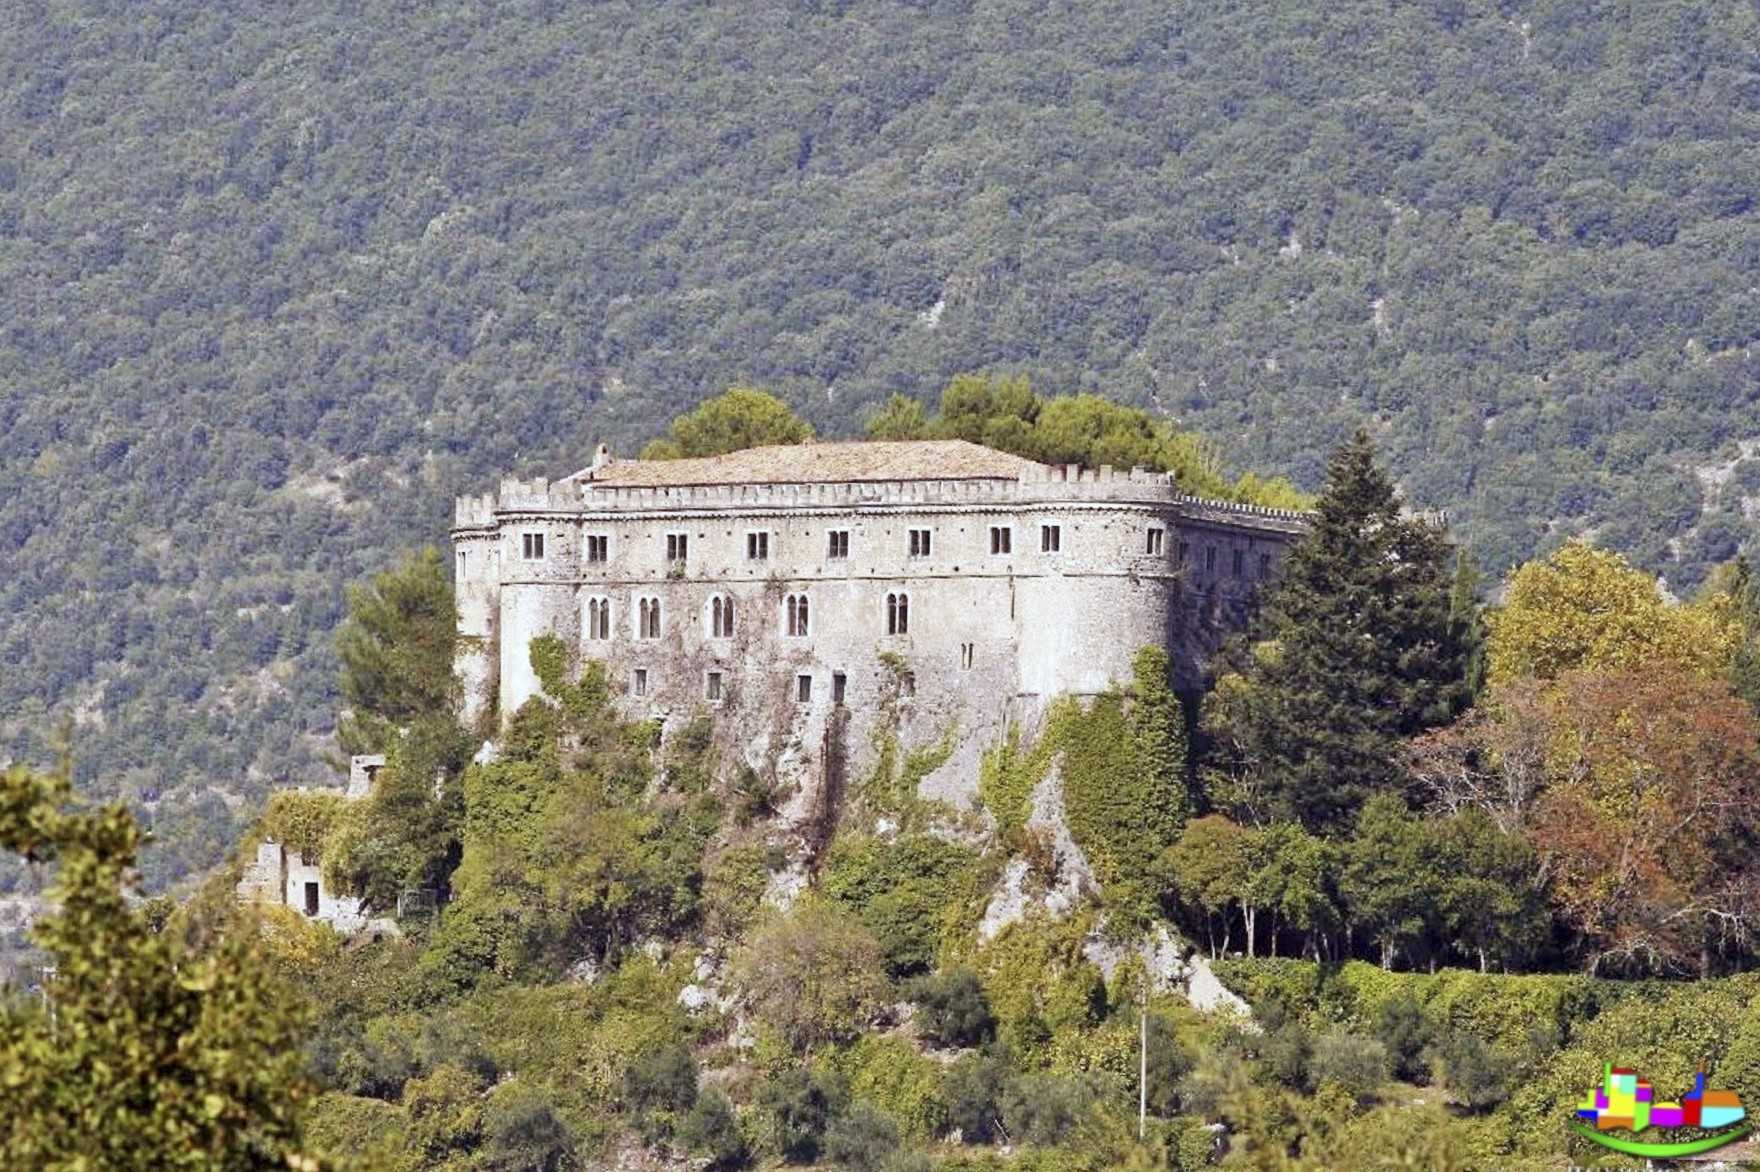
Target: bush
x=712, y=1129
x=1399, y=1025
x=800, y=1104
x=1351, y=1061
x=952, y=1008
x=523, y=1133
x=862, y=1139
x=902, y=891
x=814, y=976
x=1044, y=1108
x=974, y=1091
x=660, y=1082
x=888, y=1073
x=1473, y=1074
x=1287, y=1050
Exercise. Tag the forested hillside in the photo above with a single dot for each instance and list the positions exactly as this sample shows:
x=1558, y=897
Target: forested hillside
x=273, y=289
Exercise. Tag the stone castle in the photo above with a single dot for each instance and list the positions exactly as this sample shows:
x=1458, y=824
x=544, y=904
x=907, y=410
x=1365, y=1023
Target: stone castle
x=812, y=590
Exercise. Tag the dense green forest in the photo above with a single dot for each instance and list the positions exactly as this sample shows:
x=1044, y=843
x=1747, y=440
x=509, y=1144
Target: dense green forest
x=274, y=290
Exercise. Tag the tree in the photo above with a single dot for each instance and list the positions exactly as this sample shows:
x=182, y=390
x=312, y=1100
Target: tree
x=396, y=651
x=1738, y=585
x=1588, y=608
x=1389, y=881
x=1361, y=651
x=814, y=975
x=1492, y=904
x=146, y=1054
x=740, y=417
x=1211, y=866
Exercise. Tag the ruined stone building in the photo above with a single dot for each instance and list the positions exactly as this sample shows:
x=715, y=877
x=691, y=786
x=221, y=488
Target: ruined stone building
x=283, y=876
x=793, y=591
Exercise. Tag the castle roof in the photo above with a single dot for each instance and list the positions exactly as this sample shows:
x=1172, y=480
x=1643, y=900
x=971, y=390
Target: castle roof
x=820, y=463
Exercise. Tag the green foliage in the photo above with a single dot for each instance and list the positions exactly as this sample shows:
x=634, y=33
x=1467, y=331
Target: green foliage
x=148, y=1054
x=1038, y=983
x=740, y=417
x=906, y=1087
x=661, y=1081
x=1361, y=652
x=396, y=651
x=1007, y=776
x=733, y=888
x=1357, y=1064
x=904, y=891
x=973, y=1091
x=523, y=1132
x=1045, y=1108
x=861, y=1139
x=1401, y=1026
x=712, y=1129
x=799, y=1105
x=814, y=975
x=1476, y=1078
x=1003, y=411
x=1390, y=878
x=302, y=820
x=951, y=1009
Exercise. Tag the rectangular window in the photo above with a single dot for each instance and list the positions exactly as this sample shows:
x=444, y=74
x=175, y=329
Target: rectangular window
x=598, y=547
x=712, y=686
x=639, y=684
x=967, y=652
x=677, y=546
x=1050, y=538
x=907, y=684
x=1209, y=559
x=1185, y=552
x=1001, y=539
x=839, y=682
x=461, y=565
x=1264, y=565
x=1156, y=536
x=837, y=544
x=919, y=543
x=757, y=547
x=311, y=899
x=533, y=545
x=803, y=689
x=1237, y=563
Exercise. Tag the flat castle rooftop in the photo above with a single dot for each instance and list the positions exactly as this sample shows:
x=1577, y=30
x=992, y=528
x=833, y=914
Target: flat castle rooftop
x=841, y=462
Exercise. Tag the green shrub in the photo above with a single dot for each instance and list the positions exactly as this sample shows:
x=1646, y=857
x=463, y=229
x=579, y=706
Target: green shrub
x=887, y=1073
x=903, y=891
x=522, y=1131
x=951, y=1008
x=1476, y=1077
x=814, y=976
x=1039, y=984
x=733, y=889
x=712, y=1129
x=660, y=1083
x=974, y=1091
x=1355, y=1063
x=302, y=820
x=1007, y=776
x=799, y=1104
x=1045, y=1108
x=861, y=1139
x=1399, y=1024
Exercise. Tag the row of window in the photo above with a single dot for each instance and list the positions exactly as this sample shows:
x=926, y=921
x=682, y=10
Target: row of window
x=715, y=686
x=718, y=617
x=921, y=545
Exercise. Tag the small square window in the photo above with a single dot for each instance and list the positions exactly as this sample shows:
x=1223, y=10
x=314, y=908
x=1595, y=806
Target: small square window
x=803, y=689
x=598, y=547
x=1001, y=539
x=677, y=546
x=757, y=547
x=532, y=544
x=639, y=683
x=920, y=543
x=1050, y=538
x=837, y=544
x=712, y=686
x=1156, y=537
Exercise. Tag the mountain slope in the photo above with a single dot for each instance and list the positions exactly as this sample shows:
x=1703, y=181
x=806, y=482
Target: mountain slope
x=275, y=288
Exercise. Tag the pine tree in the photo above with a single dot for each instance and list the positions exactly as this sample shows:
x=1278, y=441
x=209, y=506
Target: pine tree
x=1359, y=647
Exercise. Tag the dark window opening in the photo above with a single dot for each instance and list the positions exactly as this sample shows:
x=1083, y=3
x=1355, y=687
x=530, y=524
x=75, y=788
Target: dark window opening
x=837, y=544
x=967, y=652
x=677, y=546
x=907, y=684
x=599, y=618
x=1001, y=539
x=1264, y=565
x=640, y=684
x=838, y=683
x=311, y=899
x=712, y=686
x=1210, y=559
x=898, y=614
x=1050, y=538
x=1155, y=538
x=598, y=547
x=721, y=618
x=803, y=689
x=648, y=618
x=757, y=546
x=920, y=543
x=1236, y=568
x=533, y=546
x=1185, y=552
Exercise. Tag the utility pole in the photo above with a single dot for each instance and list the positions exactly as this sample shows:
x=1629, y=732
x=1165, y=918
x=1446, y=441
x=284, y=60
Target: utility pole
x=1143, y=1064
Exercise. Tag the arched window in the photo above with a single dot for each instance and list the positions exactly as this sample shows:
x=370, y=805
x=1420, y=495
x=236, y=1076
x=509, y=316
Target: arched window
x=898, y=614
x=721, y=617
x=648, y=618
x=796, y=624
x=599, y=618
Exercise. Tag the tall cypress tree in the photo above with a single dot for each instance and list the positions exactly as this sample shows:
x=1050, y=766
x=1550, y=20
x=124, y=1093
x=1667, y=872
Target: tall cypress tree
x=1360, y=647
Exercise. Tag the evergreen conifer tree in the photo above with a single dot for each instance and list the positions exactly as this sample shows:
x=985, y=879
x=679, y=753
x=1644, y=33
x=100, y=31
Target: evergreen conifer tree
x=1360, y=647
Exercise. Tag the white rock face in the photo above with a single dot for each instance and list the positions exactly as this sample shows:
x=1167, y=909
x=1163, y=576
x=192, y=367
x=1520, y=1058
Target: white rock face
x=695, y=998
x=1160, y=950
x=1073, y=883
x=1207, y=993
